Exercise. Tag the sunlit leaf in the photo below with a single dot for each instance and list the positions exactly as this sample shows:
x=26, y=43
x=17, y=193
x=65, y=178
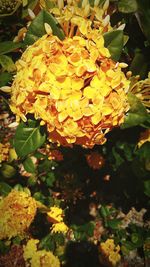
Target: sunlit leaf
x=37, y=29
x=30, y=5
x=28, y=138
x=114, y=41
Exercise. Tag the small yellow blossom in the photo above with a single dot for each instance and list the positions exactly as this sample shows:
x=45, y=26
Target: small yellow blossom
x=55, y=214
x=17, y=211
x=110, y=251
x=60, y=227
x=39, y=258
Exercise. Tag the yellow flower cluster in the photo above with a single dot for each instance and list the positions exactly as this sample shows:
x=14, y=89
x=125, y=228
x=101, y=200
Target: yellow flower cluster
x=79, y=17
x=110, y=251
x=17, y=211
x=4, y=151
x=55, y=215
x=73, y=86
x=39, y=258
x=60, y=227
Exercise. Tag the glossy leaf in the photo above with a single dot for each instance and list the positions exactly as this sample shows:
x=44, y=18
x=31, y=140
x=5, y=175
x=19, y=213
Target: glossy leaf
x=137, y=114
x=8, y=46
x=28, y=138
x=7, y=63
x=127, y=6
x=37, y=29
x=114, y=41
x=29, y=165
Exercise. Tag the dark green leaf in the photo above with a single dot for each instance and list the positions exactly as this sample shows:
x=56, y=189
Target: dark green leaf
x=29, y=165
x=4, y=189
x=147, y=188
x=28, y=138
x=114, y=41
x=37, y=29
x=7, y=63
x=104, y=211
x=5, y=77
x=50, y=179
x=47, y=243
x=8, y=46
x=143, y=16
x=127, y=6
x=114, y=223
x=139, y=64
x=137, y=114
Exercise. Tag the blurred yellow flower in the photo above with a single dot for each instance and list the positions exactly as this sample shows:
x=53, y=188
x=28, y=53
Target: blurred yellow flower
x=39, y=258
x=55, y=214
x=17, y=211
x=110, y=251
x=60, y=227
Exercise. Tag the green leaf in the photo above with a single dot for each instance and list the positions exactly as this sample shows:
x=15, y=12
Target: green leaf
x=104, y=211
x=7, y=63
x=5, y=77
x=47, y=243
x=8, y=46
x=114, y=223
x=31, y=5
x=143, y=16
x=50, y=179
x=4, y=189
x=127, y=6
x=139, y=64
x=147, y=188
x=8, y=171
x=29, y=165
x=37, y=29
x=137, y=114
x=114, y=41
x=28, y=138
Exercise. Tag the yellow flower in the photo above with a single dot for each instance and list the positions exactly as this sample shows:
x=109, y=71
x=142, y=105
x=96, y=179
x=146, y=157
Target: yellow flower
x=17, y=211
x=110, y=251
x=72, y=85
x=55, y=214
x=60, y=227
x=39, y=258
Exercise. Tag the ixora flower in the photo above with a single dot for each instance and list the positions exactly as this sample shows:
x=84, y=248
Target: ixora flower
x=110, y=252
x=95, y=160
x=17, y=211
x=55, y=214
x=39, y=258
x=60, y=227
x=72, y=86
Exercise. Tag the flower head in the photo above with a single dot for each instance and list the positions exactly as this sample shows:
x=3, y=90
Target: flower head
x=17, y=211
x=39, y=258
x=72, y=85
x=110, y=251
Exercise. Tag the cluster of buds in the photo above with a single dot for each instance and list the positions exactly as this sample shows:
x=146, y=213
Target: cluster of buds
x=8, y=7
